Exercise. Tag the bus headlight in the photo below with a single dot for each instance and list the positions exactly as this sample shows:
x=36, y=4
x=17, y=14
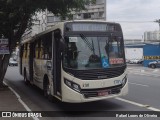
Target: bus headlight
x=124, y=81
x=72, y=85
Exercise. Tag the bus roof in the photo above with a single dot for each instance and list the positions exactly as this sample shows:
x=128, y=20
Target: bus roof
x=60, y=25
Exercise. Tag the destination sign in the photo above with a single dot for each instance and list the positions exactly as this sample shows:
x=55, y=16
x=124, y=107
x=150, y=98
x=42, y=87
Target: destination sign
x=101, y=27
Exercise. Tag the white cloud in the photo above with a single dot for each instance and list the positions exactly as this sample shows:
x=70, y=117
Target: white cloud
x=126, y=11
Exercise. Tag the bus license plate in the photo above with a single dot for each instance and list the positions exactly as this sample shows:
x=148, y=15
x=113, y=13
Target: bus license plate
x=103, y=93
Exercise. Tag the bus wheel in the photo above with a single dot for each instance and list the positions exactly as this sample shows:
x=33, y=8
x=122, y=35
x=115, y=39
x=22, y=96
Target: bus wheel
x=25, y=78
x=47, y=90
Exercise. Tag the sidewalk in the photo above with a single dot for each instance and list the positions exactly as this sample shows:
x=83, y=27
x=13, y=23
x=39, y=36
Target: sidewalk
x=9, y=101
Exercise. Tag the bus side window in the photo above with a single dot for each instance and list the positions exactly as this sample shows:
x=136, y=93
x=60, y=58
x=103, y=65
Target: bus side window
x=21, y=51
x=44, y=47
x=41, y=50
x=37, y=49
x=47, y=47
x=34, y=50
x=25, y=50
x=27, y=56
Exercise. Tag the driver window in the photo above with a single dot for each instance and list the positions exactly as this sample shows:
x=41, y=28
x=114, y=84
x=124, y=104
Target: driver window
x=113, y=48
x=71, y=53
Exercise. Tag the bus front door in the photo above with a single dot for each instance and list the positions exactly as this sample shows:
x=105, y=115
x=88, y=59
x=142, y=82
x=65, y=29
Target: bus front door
x=56, y=64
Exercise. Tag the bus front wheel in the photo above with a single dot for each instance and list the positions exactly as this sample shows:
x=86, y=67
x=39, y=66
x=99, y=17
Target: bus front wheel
x=47, y=89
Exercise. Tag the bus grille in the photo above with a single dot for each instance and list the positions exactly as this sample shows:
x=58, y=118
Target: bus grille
x=97, y=74
x=95, y=92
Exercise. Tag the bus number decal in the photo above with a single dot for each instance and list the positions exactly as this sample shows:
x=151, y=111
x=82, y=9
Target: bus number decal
x=73, y=39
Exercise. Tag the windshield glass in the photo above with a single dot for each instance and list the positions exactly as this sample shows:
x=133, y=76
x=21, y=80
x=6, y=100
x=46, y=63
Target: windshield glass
x=86, y=52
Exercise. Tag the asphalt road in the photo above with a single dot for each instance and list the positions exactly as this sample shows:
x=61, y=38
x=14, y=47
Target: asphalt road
x=144, y=86
x=144, y=95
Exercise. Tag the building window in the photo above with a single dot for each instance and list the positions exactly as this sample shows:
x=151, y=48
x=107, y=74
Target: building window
x=87, y=15
x=50, y=19
x=101, y=14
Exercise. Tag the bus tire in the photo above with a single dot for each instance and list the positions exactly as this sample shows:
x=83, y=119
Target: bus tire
x=47, y=89
x=25, y=78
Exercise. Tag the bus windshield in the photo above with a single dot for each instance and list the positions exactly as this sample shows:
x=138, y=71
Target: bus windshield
x=93, y=52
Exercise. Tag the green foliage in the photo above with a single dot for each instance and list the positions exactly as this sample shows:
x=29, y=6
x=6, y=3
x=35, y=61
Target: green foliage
x=16, y=15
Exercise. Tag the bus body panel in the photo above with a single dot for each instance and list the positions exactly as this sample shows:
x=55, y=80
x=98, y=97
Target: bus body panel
x=41, y=67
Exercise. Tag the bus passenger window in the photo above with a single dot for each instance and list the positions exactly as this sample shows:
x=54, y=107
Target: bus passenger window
x=21, y=51
x=36, y=50
x=41, y=51
x=26, y=51
x=47, y=47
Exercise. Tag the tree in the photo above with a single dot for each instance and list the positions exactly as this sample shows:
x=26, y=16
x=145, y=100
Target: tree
x=16, y=16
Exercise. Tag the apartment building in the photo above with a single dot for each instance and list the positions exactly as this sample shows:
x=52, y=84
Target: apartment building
x=46, y=20
x=151, y=36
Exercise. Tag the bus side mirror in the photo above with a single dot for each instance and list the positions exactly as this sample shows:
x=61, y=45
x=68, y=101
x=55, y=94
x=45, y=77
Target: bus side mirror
x=60, y=40
x=62, y=45
x=57, y=34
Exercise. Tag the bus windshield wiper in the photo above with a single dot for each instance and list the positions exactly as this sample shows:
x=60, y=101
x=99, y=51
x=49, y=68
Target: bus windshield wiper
x=90, y=46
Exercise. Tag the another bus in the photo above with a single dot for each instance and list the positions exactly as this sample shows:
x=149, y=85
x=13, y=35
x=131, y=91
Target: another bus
x=76, y=61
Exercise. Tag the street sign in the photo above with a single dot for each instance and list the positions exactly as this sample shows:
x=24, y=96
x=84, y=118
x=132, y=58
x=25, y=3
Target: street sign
x=4, y=47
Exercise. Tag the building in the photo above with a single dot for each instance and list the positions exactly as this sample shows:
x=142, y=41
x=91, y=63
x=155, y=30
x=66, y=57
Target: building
x=152, y=36
x=133, y=41
x=45, y=20
x=148, y=52
x=94, y=11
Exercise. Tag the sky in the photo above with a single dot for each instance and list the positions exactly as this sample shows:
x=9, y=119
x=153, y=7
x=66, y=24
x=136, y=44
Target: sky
x=135, y=16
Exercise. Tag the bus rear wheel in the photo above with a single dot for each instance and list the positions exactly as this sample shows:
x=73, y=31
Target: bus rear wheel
x=25, y=78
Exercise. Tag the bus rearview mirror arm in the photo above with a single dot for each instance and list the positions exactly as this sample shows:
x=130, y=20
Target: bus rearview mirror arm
x=62, y=45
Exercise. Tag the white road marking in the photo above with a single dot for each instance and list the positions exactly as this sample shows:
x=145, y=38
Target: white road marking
x=156, y=70
x=149, y=75
x=21, y=101
x=139, y=84
x=142, y=70
x=138, y=104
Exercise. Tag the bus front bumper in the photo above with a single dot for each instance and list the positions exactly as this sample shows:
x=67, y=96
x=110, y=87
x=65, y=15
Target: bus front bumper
x=72, y=96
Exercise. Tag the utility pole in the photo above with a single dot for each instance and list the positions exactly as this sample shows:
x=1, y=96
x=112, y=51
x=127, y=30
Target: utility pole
x=158, y=21
x=105, y=10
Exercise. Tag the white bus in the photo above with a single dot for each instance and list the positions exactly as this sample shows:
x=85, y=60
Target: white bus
x=76, y=61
